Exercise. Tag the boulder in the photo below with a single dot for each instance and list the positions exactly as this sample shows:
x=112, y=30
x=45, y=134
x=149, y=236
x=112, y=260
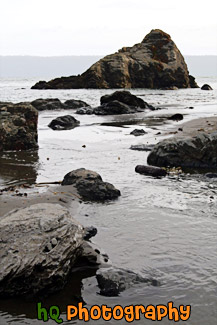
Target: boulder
x=113, y=281
x=195, y=152
x=154, y=63
x=65, y=122
x=127, y=98
x=113, y=108
x=138, y=132
x=176, y=117
x=150, y=171
x=39, y=246
x=90, y=185
x=18, y=127
x=75, y=104
x=47, y=104
x=206, y=87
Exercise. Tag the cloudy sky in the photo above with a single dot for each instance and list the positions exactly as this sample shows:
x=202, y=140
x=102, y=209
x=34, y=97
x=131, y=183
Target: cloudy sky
x=99, y=27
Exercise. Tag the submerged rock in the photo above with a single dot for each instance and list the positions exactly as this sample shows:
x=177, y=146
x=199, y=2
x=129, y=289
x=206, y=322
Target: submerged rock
x=18, y=126
x=206, y=87
x=194, y=152
x=156, y=62
x=113, y=281
x=150, y=171
x=66, y=122
x=90, y=185
x=138, y=132
x=142, y=147
x=38, y=247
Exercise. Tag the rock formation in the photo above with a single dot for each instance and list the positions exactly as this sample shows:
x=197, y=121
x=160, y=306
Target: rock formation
x=154, y=63
x=42, y=104
x=194, y=152
x=66, y=122
x=18, y=126
x=90, y=185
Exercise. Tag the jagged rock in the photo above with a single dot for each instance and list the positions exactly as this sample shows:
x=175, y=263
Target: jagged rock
x=176, y=117
x=138, y=132
x=142, y=147
x=89, y=232
x=75, y=104
x=127, y=98
x=90, y=185
x=194, y=152
x=156, y=62
x=18, y=126
x=150, y=171
x=206, y=87
x=66, y=122
x=38, y=247
x=113, y=281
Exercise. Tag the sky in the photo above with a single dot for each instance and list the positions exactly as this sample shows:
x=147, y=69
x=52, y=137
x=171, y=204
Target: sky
x=100, y=27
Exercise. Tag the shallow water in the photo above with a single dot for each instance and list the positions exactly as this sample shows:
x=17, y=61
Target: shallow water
x=161, y=228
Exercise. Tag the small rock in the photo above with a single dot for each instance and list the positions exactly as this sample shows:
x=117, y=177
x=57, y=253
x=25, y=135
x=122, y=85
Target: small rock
x=176, y=117
x=66, y=122
x=206, y=87
x=150, y=171
x=138, y=132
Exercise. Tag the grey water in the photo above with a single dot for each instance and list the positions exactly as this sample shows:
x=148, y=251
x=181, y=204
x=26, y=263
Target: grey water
x=161, y=228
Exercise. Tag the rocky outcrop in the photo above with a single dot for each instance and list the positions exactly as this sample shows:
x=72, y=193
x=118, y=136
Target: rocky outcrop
x=55, y=104
x=150, y=171
x=38, y=248
x=90, y=185
x=154, y=63
x=66, y=122
x=206, y=87
x=18, y=126
x=194, y=152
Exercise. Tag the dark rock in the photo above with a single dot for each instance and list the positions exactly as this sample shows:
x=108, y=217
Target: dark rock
x=150, y=171
x=176, y=117
x=206, y=87
x=75, y=104
x=89, y=232
x=127, y=98
x=90, y=185
x=156, y=63
x=47, y=104
x=113, y=108
x=194, y=152
x=138, y=132
x=142, y=147
x=211, y=175
x=66, y=122
x=92, y=256
x=18, y=127
x=42, y=247
x=112, y=281
x=85, y=110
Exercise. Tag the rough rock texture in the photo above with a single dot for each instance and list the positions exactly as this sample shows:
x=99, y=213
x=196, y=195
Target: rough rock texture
x=112, y=281
x=138, y=132
x=206, y=87
x=150, y=171
x=90, y=185
x=199, y=152
x=156, y=62
x=18, y=126
x=38, y=247
x=55, y=104
x=65, y=122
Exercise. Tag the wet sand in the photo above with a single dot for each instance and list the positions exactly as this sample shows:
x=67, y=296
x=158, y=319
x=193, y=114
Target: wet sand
x=193, y=127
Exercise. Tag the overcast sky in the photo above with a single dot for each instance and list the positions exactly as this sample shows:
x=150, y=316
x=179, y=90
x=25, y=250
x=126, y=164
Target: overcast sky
x=99, y=27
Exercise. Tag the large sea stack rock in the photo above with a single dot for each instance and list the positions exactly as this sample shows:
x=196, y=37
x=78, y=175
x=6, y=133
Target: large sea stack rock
x=156, y=62
x=18, y=126
x=38, y=247
x=90, y=185
x=194, y=152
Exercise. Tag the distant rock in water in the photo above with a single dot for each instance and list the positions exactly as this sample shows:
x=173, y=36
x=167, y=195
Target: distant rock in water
x=138, y=132
x=125, y=97
x=206, y=87
x=42, y=104
x=142, y=147
x=176, y=117
x=154, y=63
x=18, y=126
x=90, y=185
x=150, y=171
x=65, y=122
x=193, y=152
